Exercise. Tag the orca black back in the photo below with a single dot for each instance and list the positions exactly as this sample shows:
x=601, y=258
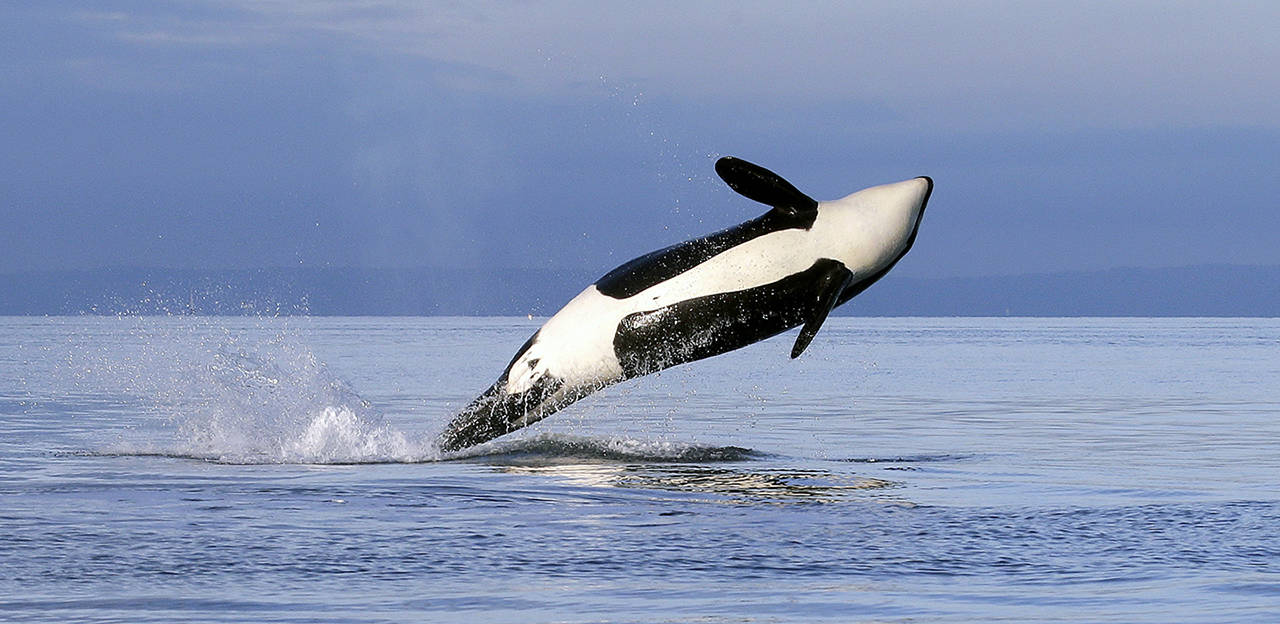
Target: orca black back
x=791, y=209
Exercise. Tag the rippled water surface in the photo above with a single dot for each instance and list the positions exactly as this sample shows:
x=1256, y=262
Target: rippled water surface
x=902, y=470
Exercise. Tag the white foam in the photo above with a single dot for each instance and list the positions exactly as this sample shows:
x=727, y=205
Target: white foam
x=257, y=395
x=280, y=404
x=339, y=435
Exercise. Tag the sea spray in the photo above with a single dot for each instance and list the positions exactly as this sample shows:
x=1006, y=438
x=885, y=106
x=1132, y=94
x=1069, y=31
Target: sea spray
x=254, y=393
x=274, y=401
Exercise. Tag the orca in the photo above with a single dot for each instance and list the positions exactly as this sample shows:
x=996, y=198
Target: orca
x=784, y=269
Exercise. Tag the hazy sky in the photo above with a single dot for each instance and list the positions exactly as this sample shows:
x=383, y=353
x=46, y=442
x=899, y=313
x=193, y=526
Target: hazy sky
x=1061, y=136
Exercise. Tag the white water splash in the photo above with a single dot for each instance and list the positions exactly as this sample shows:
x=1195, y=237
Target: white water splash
x=255, y=393
x=275, y=402
x=338, y=434
x=252, y=395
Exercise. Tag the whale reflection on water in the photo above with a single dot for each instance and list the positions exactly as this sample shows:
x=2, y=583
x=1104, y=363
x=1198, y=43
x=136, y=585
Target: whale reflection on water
x=722, y=484
x=722, y=474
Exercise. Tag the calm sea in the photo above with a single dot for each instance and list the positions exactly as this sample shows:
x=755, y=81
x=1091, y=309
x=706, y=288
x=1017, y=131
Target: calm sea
x=902, y=470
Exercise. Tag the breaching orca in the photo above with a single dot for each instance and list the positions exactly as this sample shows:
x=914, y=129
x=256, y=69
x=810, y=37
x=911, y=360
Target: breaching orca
x=786, y=268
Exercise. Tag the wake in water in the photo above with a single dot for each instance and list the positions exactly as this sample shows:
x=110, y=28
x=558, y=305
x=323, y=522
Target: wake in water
x=264, y=398
x=349, y=443
x=558, y=449
x=287, y=407
x=256, y=397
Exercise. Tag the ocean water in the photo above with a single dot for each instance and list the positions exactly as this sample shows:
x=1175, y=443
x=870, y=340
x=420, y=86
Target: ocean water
x=902, y=470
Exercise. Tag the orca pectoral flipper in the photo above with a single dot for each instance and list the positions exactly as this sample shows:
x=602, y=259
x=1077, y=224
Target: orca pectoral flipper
x=829, y=286
x=759, y=184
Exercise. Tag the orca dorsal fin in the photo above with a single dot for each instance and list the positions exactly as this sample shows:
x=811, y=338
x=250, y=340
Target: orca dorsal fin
x=830, y=284
x=757, y=183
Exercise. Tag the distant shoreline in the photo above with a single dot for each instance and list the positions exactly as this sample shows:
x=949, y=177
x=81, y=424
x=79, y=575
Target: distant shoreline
x=1213, y=291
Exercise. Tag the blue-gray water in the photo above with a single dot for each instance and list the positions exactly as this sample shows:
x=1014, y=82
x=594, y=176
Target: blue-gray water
x=902, y=470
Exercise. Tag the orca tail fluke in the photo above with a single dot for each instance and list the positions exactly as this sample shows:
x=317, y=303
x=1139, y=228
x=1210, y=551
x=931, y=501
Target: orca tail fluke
x=480, y=421
x=496, y=412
